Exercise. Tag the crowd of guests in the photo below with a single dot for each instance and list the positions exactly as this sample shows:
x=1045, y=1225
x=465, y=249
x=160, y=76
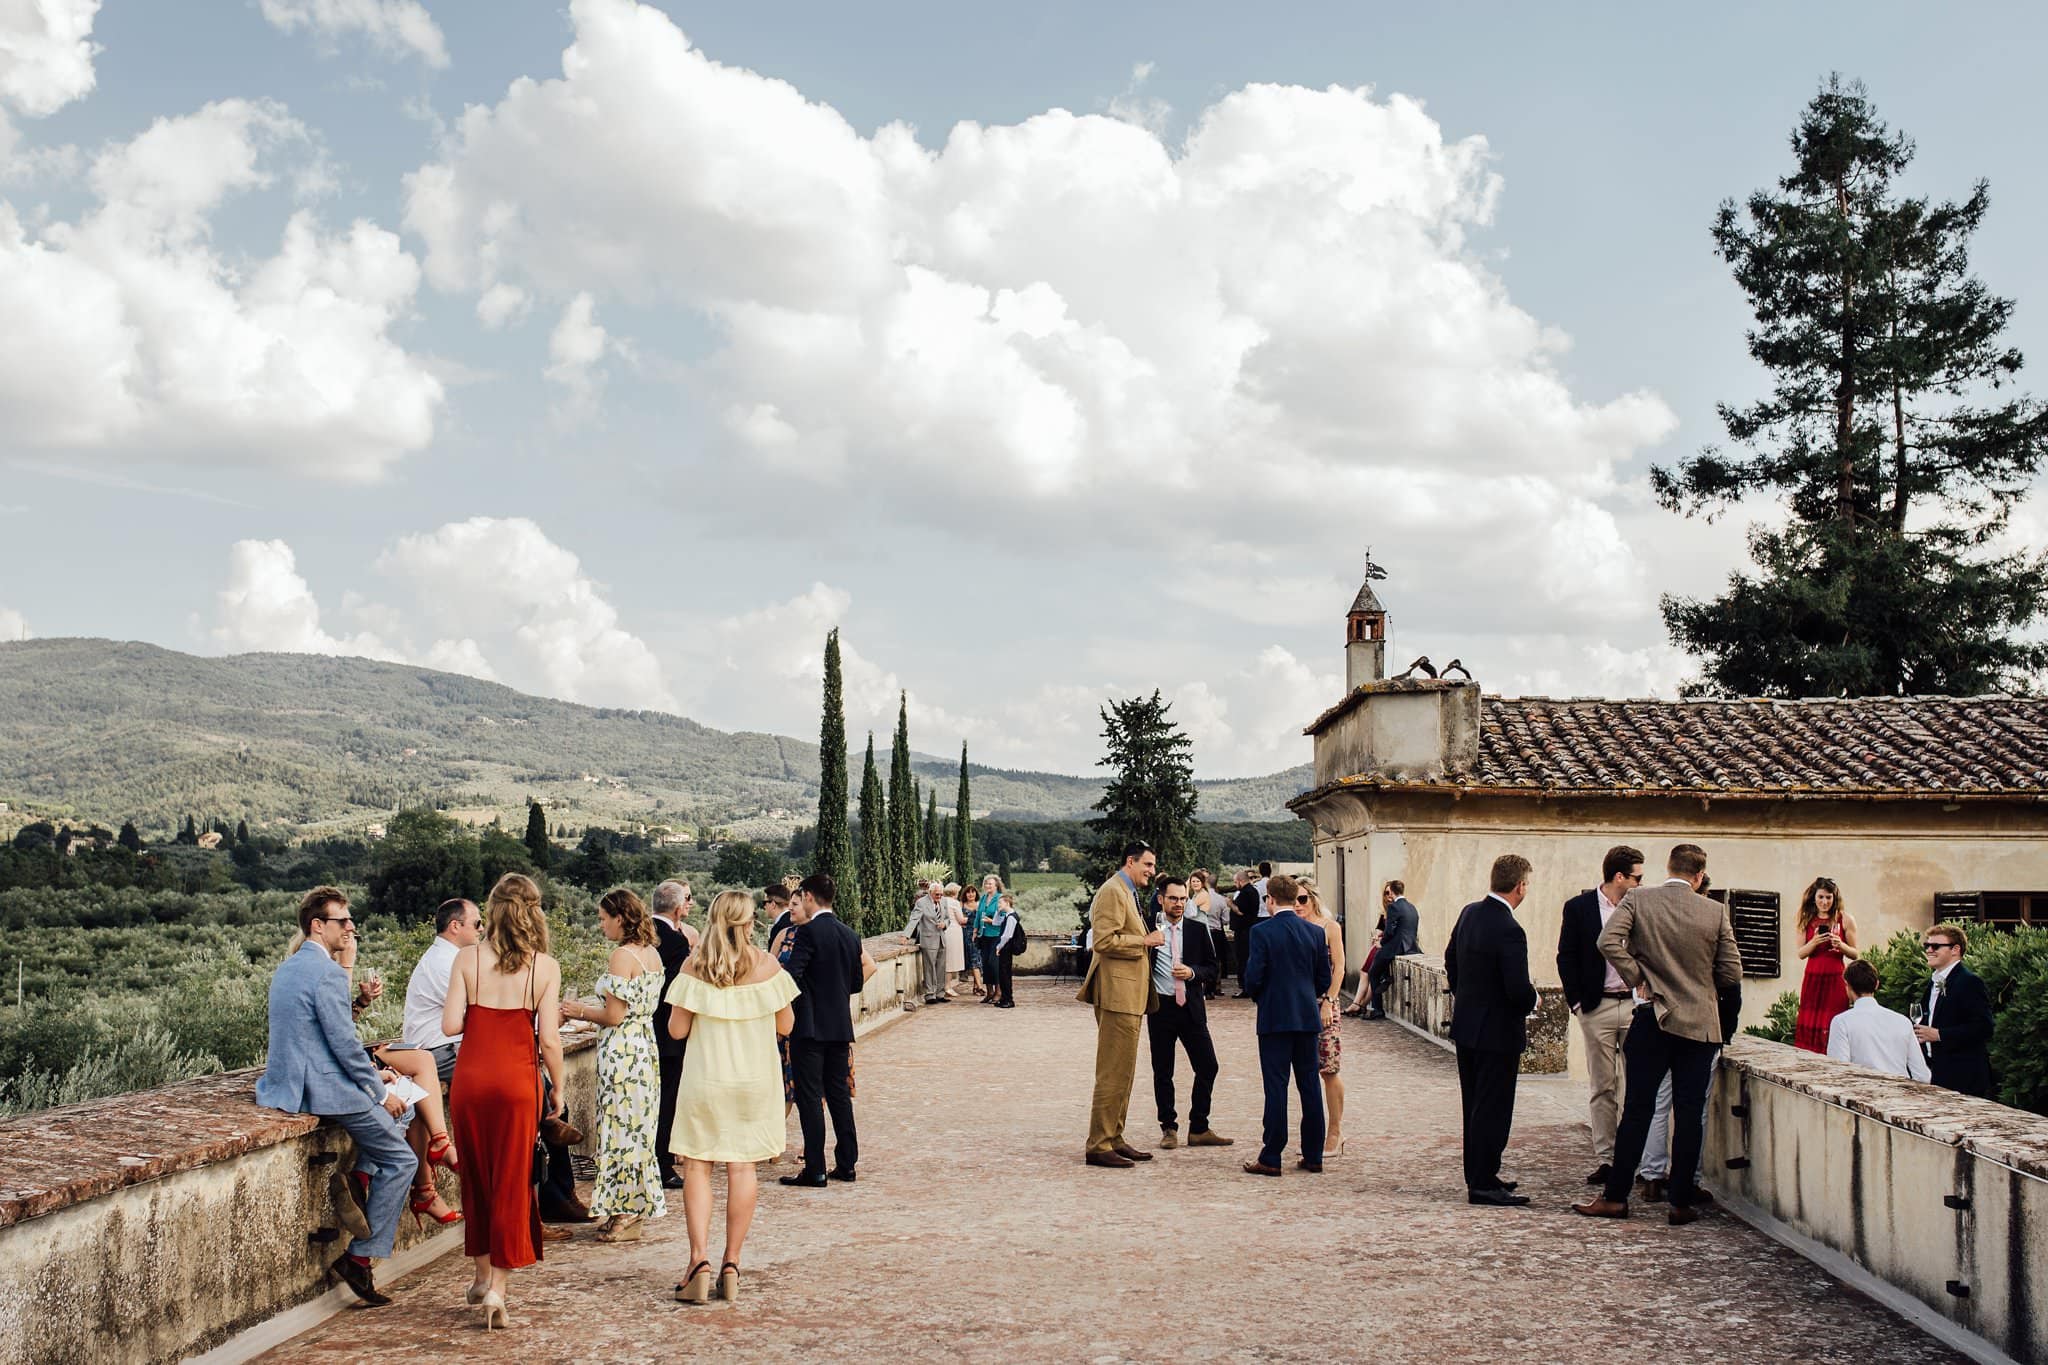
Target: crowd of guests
x=705, y=1040
x=967, y=941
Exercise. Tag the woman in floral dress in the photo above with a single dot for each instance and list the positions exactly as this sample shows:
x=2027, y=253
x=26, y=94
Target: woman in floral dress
x=628, y=1076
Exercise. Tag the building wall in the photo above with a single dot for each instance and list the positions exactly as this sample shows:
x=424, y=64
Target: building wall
x=1890, y=858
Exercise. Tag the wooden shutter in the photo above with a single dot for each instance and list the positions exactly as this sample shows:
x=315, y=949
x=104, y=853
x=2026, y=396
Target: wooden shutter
x=1754, y=916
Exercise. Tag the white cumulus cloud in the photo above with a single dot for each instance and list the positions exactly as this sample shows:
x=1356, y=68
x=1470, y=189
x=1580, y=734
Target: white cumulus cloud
x=130, y=335
x=575, y=348
x=268, y=607
x=13, y=626
x=46, y=54
x=398, y=28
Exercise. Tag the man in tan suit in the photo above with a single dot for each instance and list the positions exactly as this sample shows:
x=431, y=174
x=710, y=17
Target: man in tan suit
x=1119, y=985
x=1676, y=949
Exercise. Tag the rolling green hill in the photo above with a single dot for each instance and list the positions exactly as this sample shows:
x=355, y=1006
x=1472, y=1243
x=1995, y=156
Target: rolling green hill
x=108, y=731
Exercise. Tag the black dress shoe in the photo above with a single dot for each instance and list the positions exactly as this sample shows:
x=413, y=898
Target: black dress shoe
x=1240, y=995
x=1505, y=1199
x=805, y=1182
x=357, y=1277
x=835, y=1174
x=1376, y=1014
x=671, y=1181
x=1600, y=1174
x=1509, y=1185
x=552, y=1212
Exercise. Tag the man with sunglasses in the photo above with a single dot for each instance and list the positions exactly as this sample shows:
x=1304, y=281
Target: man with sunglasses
x=316, y=1066
x=1600, y=1000
x=1957, y=1033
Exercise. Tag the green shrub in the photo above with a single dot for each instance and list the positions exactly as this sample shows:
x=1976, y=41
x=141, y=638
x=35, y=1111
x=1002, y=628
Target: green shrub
x=1779, y=1024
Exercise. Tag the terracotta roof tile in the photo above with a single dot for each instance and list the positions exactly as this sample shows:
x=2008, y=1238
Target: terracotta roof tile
x=1916, y=746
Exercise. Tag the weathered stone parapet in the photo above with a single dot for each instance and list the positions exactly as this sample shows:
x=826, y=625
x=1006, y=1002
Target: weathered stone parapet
x=153, y=1226
x=1941, y=1197
x=1420, y=996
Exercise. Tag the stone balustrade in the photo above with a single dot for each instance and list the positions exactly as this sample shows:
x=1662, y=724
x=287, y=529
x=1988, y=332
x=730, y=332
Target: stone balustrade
x=1419, y=995
x=1935, y=1203
x=153, y=1226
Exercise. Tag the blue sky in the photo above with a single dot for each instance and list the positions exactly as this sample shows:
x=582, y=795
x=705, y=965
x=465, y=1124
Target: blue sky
x=1038, y=410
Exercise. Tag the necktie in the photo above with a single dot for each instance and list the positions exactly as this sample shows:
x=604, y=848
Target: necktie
x=1180, y=988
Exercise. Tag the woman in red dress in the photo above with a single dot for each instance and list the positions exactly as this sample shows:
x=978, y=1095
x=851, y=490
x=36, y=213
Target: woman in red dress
x=1827, y=940
x=504, y=1002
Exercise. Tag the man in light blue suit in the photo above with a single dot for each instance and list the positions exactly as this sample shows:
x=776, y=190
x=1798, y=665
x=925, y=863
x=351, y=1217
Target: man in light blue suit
x=316, y=1066
x=1288, y=974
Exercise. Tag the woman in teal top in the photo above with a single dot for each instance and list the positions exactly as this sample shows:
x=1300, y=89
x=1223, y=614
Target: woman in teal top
x=988, y=932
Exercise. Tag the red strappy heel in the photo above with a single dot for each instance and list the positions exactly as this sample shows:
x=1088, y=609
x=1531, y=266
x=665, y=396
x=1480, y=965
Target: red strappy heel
x=441, y=1151
x=423, y=1209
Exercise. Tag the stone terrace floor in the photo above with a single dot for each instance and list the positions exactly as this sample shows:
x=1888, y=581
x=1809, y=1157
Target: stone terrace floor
x=975, y=1233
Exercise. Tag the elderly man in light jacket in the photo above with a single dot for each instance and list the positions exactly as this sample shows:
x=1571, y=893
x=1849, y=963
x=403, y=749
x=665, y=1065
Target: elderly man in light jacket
x=1676, y=949
x=927, y=929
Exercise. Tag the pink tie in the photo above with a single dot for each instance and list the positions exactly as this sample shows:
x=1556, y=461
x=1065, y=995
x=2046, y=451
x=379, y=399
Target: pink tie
x=1180, y=988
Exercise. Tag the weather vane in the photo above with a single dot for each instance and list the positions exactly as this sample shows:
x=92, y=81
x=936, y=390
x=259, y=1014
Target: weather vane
x=1372, y=570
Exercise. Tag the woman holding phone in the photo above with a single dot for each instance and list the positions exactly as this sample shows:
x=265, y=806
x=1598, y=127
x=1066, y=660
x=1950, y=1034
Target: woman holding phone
x=1828, y=943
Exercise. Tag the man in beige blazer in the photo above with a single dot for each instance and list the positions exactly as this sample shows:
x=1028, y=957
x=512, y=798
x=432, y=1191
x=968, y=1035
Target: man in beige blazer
x=1119, y=985
x=1675, y=947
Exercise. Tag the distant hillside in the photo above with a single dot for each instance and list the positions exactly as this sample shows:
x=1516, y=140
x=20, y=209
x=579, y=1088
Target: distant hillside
x=113, y=731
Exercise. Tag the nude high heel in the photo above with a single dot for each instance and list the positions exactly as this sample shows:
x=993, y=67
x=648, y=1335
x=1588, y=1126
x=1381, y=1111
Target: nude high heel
x=474, y=1295
x=729, y=1282
x=494, y=1311
x=696, y=1285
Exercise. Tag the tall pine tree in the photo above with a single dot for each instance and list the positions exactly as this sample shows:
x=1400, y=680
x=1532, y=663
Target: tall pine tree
x=537, y=846
x=876, y=864
x=1890, y=435
x=1150, y=794
x=963, y=831
x=835, y=844
x=902, y=818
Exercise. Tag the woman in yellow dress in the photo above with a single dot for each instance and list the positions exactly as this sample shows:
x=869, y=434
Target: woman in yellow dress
x=730, y=1000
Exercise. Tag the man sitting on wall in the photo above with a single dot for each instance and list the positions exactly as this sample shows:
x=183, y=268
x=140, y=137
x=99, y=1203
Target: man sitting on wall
x=1868, y=1034
x=316, y=1066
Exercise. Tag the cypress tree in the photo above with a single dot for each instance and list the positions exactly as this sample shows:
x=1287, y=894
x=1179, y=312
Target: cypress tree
x=875, y=861
x=902, y=817
x=129, y=838
x=929, y=849
x=537, y=845
x=834, y=855
x=241, y=832
x=963, y=833
x=1885, y=434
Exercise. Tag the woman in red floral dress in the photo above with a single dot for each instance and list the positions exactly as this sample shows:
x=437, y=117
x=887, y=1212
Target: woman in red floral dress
x=1827, y=940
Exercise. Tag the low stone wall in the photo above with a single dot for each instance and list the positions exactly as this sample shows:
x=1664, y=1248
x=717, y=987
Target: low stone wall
x=1419, y=995
x=1942, y=1198
x=152, y=1226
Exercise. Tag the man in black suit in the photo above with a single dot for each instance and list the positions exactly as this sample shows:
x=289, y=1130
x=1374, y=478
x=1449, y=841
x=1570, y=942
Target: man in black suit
x=1599, y=999
x=1244, y=913
x=825, y=962
x=1958, y=1028
x=671, y=907
x=1183, y=968
x=1487, y=965
x=1289, y=974
x=1401, y=938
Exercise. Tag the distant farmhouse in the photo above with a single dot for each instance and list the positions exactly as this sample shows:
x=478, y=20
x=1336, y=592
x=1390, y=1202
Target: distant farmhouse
x=1921, y=808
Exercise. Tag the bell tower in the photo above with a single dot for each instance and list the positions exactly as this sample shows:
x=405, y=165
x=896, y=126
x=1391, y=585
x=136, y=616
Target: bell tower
x=1365, y=633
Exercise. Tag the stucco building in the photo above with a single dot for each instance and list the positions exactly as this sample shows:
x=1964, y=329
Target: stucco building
x=1918, y=807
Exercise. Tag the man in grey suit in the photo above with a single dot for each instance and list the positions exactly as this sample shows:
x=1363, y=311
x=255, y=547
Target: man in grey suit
x=927, y=929
x=1402, y=938
x=1675, y=949
x=316, y=1066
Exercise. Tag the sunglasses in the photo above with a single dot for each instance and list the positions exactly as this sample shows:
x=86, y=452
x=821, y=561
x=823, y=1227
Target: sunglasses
x=348, y=926
x=1935, y=947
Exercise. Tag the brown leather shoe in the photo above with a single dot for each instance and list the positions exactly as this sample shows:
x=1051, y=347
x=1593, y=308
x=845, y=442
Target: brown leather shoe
x=1168, y=1139
x=560, y=1133
x=1110, y=1159
x=1601, y=1208
x=1681, y=1214
x=360, y=1281
x=1130, y=1153
x=1654, y=1191
x=1312, y=1167
x=1209, y=1137
x=550, y=1233
x=1260, y=1168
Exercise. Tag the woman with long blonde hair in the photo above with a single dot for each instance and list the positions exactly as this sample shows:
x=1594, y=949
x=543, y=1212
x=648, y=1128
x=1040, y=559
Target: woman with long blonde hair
x=503, y=994
x=731, y=1000
x=1329, y=1048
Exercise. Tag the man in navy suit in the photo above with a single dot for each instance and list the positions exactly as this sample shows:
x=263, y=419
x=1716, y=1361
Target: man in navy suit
x=1958, y=1028
x=1487, y=965
x=1288, y=973
x=316, y=1066
x=827, y=964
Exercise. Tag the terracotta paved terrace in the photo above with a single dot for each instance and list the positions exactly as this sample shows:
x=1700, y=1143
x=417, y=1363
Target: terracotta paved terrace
x=976, y=1233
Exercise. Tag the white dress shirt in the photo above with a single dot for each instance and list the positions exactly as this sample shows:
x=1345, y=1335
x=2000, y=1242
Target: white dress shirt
x=1934, y=990
x=425, y=993
x=1613, y=982
x=1868, y=1034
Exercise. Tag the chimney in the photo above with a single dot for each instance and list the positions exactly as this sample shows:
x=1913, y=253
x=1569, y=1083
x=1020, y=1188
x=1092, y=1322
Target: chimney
x=1365, y=634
